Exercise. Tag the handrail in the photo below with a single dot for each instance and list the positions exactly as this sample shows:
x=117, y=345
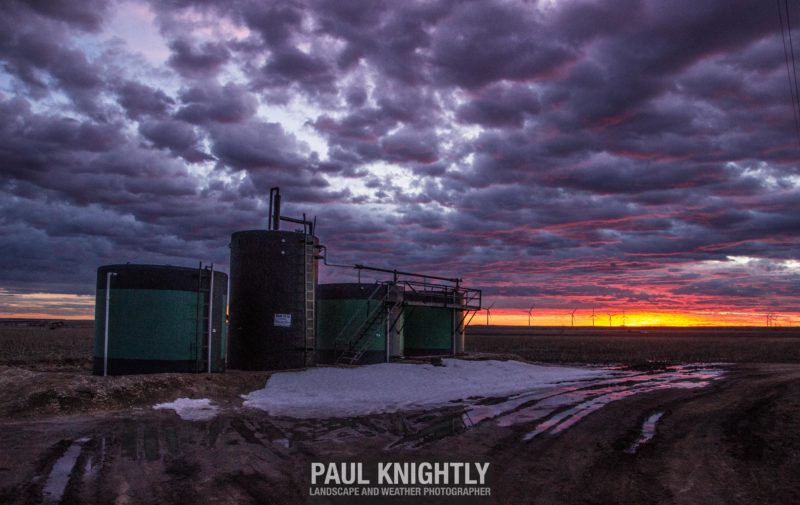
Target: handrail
x=458, y=297
x=396, y=273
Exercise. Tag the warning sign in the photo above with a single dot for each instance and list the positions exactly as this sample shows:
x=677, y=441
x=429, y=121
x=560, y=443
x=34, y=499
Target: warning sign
x=283, y=320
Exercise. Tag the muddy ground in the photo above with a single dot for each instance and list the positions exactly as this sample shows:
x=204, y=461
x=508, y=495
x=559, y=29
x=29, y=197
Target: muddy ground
x=734, y=441
x=68, y=437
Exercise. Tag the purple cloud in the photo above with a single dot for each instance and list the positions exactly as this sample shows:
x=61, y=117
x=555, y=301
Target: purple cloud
x=576, y=153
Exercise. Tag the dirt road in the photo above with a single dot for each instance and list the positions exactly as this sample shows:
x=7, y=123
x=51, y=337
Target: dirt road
x=736, y=440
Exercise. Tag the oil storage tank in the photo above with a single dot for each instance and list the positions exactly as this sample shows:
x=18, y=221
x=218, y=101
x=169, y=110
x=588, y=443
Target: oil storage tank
x=273, y=299
x=159, y=318
x=354, y=320
x=433, y=324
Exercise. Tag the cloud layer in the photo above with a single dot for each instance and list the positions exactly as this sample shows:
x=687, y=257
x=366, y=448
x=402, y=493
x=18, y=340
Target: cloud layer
x=632, y=153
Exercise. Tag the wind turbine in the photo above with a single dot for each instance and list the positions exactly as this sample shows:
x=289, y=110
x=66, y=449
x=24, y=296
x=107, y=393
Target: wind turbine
x=572, y=316
x=610, y=316
x=488, y=312
x=593, y=316
x=530, y=313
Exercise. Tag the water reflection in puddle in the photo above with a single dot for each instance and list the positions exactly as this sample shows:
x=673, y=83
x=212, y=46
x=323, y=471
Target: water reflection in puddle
x=59, y=475
x=648, y=432
x=555, y=410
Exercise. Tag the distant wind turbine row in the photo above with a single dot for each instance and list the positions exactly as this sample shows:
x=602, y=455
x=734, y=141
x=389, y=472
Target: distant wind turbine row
x=771, y=317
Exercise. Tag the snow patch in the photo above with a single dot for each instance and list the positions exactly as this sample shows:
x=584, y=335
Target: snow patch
x=392, y=387
x=191, y=410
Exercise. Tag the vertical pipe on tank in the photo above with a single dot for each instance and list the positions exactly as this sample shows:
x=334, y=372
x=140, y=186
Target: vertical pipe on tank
x=453, y=318
x=274, y=218
x=276, y=212
x=105, y=343
x=225, y=319
x=387, y=317
x=210, y=314
x=269, y=211
x=455, y=329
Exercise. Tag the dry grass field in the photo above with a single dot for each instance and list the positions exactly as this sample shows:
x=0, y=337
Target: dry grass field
x=638, y=345
x=66, y=347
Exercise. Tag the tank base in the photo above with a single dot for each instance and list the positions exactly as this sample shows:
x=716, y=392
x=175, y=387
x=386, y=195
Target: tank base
x=369, y=357
x=418, y=351
x=146, y=366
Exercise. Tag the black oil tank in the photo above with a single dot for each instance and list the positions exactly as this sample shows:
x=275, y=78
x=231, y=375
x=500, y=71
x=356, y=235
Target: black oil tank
x=272, y=300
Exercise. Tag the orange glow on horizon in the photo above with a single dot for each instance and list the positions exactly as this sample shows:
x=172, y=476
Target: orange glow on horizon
x=41, y=315
x=519, y=317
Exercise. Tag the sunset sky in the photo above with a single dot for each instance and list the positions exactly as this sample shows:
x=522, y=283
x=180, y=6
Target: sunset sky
x=628, y=155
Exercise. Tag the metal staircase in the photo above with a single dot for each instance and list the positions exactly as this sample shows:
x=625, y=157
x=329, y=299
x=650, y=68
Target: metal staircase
x=354, y=338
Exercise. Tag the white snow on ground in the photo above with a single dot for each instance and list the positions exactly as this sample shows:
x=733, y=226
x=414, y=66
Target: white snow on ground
x=191, y=410
x=391, y=387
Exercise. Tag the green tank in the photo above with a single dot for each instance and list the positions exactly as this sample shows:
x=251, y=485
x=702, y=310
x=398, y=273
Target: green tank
x=430, y=329
x=158, y=320
x=353, y=320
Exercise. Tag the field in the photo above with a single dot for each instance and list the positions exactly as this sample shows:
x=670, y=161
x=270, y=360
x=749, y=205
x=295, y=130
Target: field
x=639, y=345
x=733, y=440
x=69, y=346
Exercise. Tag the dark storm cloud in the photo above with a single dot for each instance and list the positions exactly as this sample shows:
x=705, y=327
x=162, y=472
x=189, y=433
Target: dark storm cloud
x=289, y=65
x=191, y=60
x=86, y=15
x=500, y=106
x=485, y=42
x=177, y=136
x=39, y=51
x=411, y=145
x=224, y=104
x=256, y=146
x=579, y=152
x=275, y=23
x=140, y=100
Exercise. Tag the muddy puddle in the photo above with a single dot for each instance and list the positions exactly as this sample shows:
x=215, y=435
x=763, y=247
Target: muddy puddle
x=647, y=433
x=56, y=482
x=554, y=409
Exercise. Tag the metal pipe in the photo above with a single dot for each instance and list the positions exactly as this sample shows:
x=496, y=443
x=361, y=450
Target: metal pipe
x=105, y=343
x=308, y=226
x=225, y=315
x=409, y=274
x=269, y=211
x=210, y=314
x=325, y=259
x=276, y=213
x=453, y=322
x=386, y=325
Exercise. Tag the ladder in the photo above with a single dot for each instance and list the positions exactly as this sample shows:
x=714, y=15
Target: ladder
x=309, y=299
x=203, y=300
